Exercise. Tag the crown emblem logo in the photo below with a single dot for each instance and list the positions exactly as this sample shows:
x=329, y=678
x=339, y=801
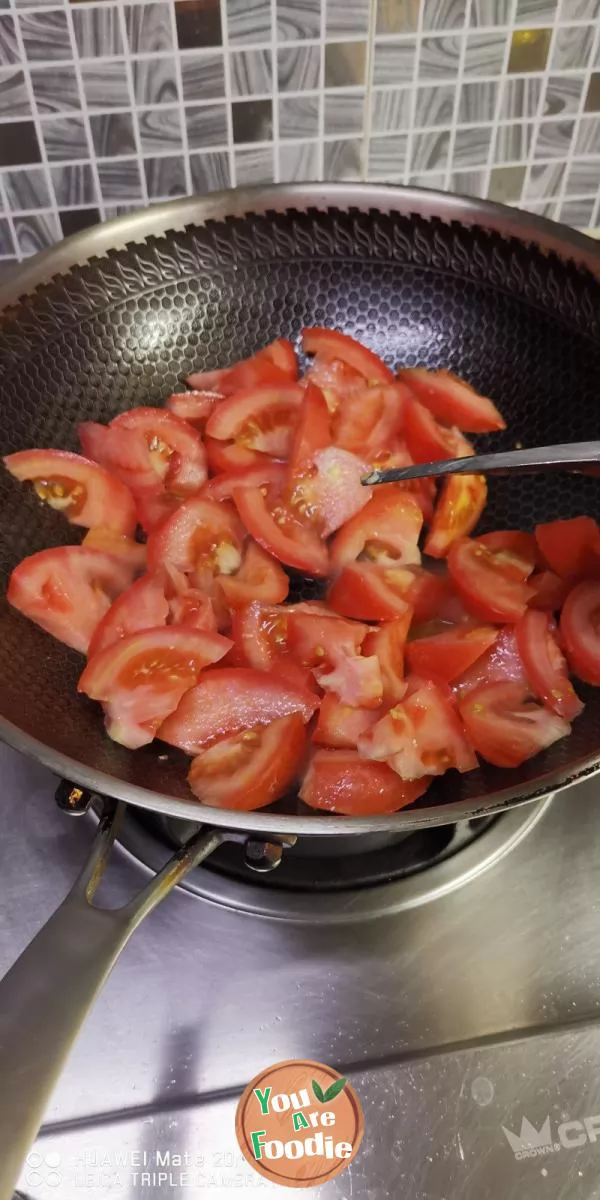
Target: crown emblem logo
x=530, y=1138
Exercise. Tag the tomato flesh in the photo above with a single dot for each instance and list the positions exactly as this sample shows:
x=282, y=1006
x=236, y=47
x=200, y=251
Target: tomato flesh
x=452, y=400
x=259, y=419
x=149, y=449
x=366, y=592
x=202, y=539
x=387, y=644
x=386, y=532
x=505, y=727
x=340, y=725
x=491, y=584
x=194, y=407
x=580, y=631
x=259, y=577
x=331, y=344
x=340, y=781
x=459, y=507
x=449, y=654
x=571, y=548
x=280, y=533
x=250, y=769
x=545, y=664
x=420, y=736
x=77, y=487
x=312, y=433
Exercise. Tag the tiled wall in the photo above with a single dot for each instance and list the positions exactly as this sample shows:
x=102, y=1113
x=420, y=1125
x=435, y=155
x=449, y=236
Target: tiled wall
x=107, y=105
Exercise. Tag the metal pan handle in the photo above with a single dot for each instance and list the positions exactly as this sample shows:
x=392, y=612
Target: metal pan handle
x=47, y=994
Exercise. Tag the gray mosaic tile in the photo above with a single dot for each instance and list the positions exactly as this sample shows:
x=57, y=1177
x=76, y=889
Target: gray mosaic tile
x=393, y=62
x=206, y=126
x=254, y=165
x=14, y=97
x=7, y=247
x=572, y=47
x=477, y=102
x=588, y=136
x=583, y=178
x=444, y=14
x=299, y=116
x=343, y=19
x=26, y=189
x=45, y=35
x=439, y=57
x=520, y=98
x=529, y=51
x=592, y=97
x=165, y=177
x=97, y=31
x=344, y=113
x=562, y=95
x=485, y=53
x=248, y=21
x=56, y=89
x=112, y=211
x=298, y=19
x=19, y=142
x=120, y=180
x=553, y=139
x=577, y=213
x=430, y=151
x=387, y=157
x=513, y=142
x=545, y=179
x=342, y=160
x=345, y=64
x=160, y=129
x=535, y=10
x=210, y=172
x=251, y=72
x=488, y=12
x=36, y=232
x=155, y=80
x=252, y=120
x=299, y=162
x=435, y=105
x=149, y=28
x=542, y=208
x=75, y=220
x=113, y=135
x=506, y=184
x=299, y=68
x=9, y=51
x=73, y=183
x=203, y=75
x=391, y=110
x=65, y=138
x=468, y=183
x=580, y=10
x=105, y=84
x=397, y=16
x=429, y=179
x=471, y=147
x=198, y=23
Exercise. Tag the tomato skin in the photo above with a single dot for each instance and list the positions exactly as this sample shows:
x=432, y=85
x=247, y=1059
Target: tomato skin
x=142, y=606
x=229, y=700
x=340, y=725
x=331, y=344
x=67, y=590
x=126, y=448
x=426, y=439
x=546, y=665
x=571, y=548
x=460, y=504
x=271, y=365
x=341, y=781
x=579, y=631
x=490, y=587
x=449, y=654
x=266, y=473
x=387, y=643
x=362, y=593
x=550, y=591
x=452, y=400
x=502, y=663
x=421, y=735
x=312, y=433
x=195, y=539
x=520, y=549
x=132, y=553
x=252, y=769
x=103, y=501
x=505, y=727
x=228, y=456
x=291, y=542
x=260, y=577
x=387, y=530
x=260, y=419
x=369, y=420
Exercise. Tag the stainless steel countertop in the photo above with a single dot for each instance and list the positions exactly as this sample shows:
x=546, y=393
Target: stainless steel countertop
x=453, y=1019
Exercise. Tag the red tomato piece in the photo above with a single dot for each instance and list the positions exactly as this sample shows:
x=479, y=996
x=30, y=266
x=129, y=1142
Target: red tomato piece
x=422, y=491
x=188, y=605
x=264, y=474
x=228, y=701
x=341, y=781
x=420, y=736
x=550, y=591
x=502, y=663
x=251, y=769
x=580, y=631
x=330, y=646
x=387, y=644
x=370, y=419
x=546, y=665
x=312, y=433
x=336, y=491
x=259, y=633
x=340, y=725
x=452, y=400
x=202, y=538
x=86, y=493
x=277, y=529
x=429, y=441
x=491, y=585
x=365, y=592
x=67, y=590
x=229, y=456
x=259, y=577
x=571, y=548
x=514, y=547
x=149, y=449
x=336, y=380
x=271, y=365
x=386, y=532
x=154, y=507
x=449, y=654
x=260, y=419
x=460, y=504
x=133, y=554
x=140, y=679
x=505, y=727
x=144, y=605
x=282, y=353
x=193, y=407
x=330, y=344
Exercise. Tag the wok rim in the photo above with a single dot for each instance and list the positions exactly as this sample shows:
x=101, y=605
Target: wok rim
x=174, y=216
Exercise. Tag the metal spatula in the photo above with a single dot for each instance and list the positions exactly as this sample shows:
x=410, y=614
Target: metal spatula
x=582, y=457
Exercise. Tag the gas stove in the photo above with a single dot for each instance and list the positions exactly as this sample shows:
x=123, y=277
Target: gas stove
x=457, y=983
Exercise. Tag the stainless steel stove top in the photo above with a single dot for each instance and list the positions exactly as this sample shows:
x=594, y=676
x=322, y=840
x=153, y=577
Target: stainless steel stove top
x=453, y=1018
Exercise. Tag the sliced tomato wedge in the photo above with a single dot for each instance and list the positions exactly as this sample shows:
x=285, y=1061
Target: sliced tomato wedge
x=452, y=400
x=330, y=344
x=259, y=634
x=550, y=591
x=259, y=577
x=513, y=547
x=369, y=420
x=580, y=631
x=422, y=491
x=312, y=433
x=460, y=504
x=340, y=725
x=336, y=380
x=259, y=419
x=502, y=663
x=505, y=727
x=275, y=363
x=491, y=584
x=229, y=456
x=149, y=449
x=194, y=407
x=202, y=538
x=189, y=605
x=144, y=605
x=449, y=654
x=387, y=644
x=341, y=781
x=230, y=700
x=77, y=487
x=251, y=769
x=265, y=473
x=426, y=439
x=140, y=679
x=282, y=353
x=337, y=492
x=546, y=665
x=571, y=548
x=365, y=592
x=330, y=646
x=154, y=507
x=385, y=532
x=67, y=590
x=420, y=736
x=277, y=529
x=133, y=554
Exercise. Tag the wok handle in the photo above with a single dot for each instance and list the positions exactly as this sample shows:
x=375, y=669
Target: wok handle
x=46, y=995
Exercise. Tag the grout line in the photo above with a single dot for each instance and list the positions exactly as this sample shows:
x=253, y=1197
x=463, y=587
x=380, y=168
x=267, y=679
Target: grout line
x=413, y=98
x=24, y=66
x=532, y=161
x=137, y=137
x=275, y=89
x=179, y=82
x=8, y=216
x=228, y=93
x=321, y=109
x=577, y=126
x=452, y=167
x=368, y=103
x=85, y=114
x=491, y=163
